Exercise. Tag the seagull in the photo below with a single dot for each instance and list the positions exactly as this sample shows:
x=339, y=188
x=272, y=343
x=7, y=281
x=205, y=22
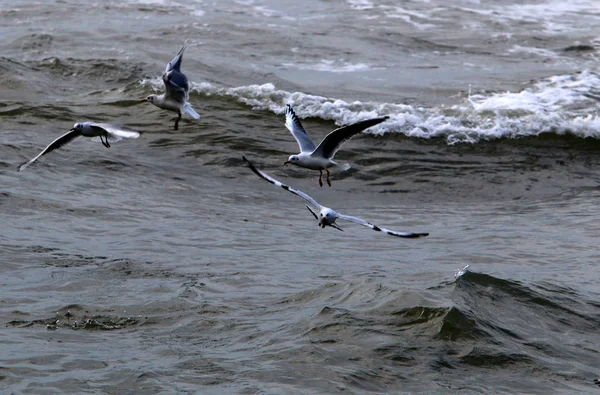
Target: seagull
x=327, y=216
x=321, y=157
x=103, y=131
x=176, y=94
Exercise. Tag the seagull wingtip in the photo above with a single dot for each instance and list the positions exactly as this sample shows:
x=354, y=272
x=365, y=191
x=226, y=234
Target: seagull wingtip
x=250, y=165
x=23, y=166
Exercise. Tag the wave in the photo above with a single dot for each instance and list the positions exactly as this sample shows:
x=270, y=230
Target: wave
x=476, y=321
x=559, y=105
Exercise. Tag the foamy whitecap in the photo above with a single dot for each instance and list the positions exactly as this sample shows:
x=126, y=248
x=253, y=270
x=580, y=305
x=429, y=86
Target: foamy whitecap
x=266, y=12
x=360, y=4
x=415, y=18
x=534, y=51
x=549, y=16
x=461, y=272
x=558, y=105
x=154, y=2
x=191, y=8
x=332, y=66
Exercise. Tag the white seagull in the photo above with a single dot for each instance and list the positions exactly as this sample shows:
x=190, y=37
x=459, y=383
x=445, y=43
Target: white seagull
x=176, y=94
x=321, y=157
x=103, y=131
x=326, y=215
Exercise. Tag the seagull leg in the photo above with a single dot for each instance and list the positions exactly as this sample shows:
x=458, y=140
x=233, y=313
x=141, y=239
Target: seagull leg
x=106, y=139
x=102, y=141
x=177, y=120
x=321, y=177
x=328, y=182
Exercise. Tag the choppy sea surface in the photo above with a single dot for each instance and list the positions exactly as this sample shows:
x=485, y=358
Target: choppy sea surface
x=163, y=265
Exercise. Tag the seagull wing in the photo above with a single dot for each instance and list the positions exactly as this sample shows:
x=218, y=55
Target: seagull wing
x=378, y=229
x=295, y=127
x=334, y=140
x=59, y=142
x=117, y=131
x=175, y=64
x=176, y=85
x=279, y=184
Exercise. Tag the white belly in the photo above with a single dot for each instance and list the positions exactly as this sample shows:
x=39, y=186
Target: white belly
x=310, y=162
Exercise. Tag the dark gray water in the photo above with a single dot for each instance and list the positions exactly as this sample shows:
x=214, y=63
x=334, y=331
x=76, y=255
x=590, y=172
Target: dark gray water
x=164, y=265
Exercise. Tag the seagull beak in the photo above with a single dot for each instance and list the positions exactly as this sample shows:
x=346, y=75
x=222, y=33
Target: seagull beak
x=287, y=162
x=144, y=99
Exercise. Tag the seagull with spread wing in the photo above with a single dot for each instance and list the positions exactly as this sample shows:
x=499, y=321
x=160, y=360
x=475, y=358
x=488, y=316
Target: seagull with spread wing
x=321, y=157
x=105, y=132
x=327, y=216
x=176, y=94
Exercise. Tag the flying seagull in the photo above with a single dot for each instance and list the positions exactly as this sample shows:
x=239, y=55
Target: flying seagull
x=103, y=131
x=321, y=157
x=327, y=216
x=176, y=94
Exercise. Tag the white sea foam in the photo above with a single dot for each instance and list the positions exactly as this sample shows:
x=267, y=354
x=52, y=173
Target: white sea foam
x=266, y=12
x=553, y=16
x=191, y=7
x=333, y=66
x=461, y=272
x=360, y=4
x=409, y=16
x=534, y=51
x=559, y=105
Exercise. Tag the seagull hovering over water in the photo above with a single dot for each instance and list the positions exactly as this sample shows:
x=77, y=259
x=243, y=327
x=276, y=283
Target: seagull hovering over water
x=321, y=157
x=176, y=94
x=327, y=216
x=103, y=131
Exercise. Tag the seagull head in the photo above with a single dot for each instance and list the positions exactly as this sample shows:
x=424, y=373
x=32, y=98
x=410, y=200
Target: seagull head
x=292, y=159
x=326, y=217
x=77, y=126
x=150, y=99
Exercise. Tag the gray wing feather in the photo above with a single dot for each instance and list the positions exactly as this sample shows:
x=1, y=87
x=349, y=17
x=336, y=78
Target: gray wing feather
x=59, y=142
x=176, y=86
x=384, y=230
x=176, y=83
x=334, y=140
x=117, y=131
x=175, y=64
x=292, y=123
x=282, y=185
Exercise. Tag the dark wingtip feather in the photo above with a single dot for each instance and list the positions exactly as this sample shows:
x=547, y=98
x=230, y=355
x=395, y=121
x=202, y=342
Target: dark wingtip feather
x=254, y=169
x=289, y=110
x=407, y=235
x=250, y=165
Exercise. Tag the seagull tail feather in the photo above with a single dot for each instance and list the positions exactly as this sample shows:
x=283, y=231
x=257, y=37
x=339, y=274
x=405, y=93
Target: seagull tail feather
x=187, y=108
